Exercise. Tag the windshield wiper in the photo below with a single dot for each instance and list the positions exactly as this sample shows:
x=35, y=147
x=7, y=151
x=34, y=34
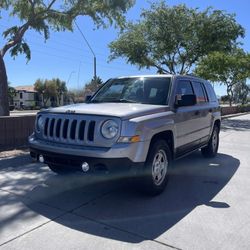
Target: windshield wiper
x=125, y=101
x=114, y=100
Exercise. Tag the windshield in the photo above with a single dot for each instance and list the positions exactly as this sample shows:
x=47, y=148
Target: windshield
x=146, y=90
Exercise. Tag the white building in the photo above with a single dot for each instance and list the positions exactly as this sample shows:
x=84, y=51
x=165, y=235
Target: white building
x=25, y=97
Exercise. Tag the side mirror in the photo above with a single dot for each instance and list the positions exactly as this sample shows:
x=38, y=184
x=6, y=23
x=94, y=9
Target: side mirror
x=88, y=97
x=185, y=100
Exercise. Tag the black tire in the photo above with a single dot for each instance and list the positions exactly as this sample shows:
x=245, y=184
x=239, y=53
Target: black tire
x=57, y=169
x=152, y=184
x=212, y=148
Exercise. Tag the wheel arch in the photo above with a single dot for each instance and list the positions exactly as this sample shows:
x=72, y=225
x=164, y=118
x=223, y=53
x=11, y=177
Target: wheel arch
x=168, y=136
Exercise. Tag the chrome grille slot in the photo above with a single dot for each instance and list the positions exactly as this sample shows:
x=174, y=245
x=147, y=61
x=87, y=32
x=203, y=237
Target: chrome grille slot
x=91, y=130
x=65, y=129
x=73, y=130
x=81, y=130
x=46, y=126
x=58, y=128
x=51, y=127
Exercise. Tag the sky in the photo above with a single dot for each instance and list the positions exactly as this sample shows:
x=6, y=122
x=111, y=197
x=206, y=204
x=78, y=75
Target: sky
x=66, y=55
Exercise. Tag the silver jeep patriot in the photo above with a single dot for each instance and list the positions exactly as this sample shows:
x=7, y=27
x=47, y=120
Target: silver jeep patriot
x=134, y=126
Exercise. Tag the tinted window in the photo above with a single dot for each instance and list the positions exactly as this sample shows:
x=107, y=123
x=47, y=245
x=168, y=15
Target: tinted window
x=211, y=94
x=200, y=92
x=184, y=88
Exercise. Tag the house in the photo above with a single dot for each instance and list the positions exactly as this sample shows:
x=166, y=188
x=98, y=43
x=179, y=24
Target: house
x=26, y=97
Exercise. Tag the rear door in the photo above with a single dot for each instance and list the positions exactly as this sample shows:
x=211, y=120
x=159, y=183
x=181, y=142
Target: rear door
x=205, y=111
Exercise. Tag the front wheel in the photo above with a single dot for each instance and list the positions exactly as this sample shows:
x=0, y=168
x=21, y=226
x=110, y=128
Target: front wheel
x=157, y=168
x=212, y=148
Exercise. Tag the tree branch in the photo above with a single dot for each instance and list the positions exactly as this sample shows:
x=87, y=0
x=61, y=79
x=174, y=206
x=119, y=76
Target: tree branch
x=183, y=60
x=33, y=7
x=17, y=38
x=50, y=5
x=161, y=69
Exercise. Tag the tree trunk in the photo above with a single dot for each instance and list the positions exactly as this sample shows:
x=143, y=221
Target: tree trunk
x=4, y=100
x=229, y=94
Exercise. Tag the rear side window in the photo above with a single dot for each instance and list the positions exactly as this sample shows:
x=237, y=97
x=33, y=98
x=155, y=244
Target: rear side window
x=184, y=87
x=211, y=94
x=199, y=90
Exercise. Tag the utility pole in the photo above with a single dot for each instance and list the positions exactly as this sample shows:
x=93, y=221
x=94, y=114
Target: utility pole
x=93, y=53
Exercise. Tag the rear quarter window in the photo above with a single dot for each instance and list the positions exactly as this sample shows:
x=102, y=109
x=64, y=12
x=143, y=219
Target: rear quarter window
x=210, y=91
x=200, y=92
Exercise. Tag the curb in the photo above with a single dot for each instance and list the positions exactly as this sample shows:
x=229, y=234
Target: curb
x=233, y=115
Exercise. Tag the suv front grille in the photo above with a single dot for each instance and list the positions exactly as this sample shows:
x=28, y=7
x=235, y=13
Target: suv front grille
x=69, y=130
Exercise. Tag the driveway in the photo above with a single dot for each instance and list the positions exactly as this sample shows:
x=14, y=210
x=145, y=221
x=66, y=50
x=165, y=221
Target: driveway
x=205, y=206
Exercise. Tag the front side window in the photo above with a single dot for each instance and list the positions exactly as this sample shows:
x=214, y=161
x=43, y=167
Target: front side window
x=146, y=90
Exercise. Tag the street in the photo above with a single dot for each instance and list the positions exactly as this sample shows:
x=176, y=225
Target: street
x=205, y=205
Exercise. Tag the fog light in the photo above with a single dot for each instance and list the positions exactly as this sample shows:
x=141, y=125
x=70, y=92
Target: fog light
x=85, y=167
x=41, y=159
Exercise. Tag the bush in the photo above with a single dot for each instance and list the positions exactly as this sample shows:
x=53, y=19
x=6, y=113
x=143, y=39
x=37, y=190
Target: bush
x=244, y=108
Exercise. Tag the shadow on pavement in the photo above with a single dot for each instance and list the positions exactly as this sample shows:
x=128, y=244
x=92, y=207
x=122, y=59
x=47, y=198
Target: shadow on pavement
x=236, y=124
x=195, y=181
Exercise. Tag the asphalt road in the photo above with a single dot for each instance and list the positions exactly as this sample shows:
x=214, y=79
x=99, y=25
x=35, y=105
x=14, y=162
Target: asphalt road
x=205, y=206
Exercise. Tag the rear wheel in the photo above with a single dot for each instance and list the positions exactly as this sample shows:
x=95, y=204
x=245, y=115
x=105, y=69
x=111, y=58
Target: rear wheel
x=212, y=148
x=157, y=168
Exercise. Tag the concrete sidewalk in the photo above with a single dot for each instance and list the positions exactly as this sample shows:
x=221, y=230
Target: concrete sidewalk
x=205, y=206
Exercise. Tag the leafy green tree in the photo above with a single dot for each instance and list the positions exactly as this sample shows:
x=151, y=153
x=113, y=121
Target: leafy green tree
x=93, y=85
x=50, y=89
x=61, y=89
x=75, y=96
x=50, y=92
x=229, y=69
x=46, y=15
x=79, y=95
x=241, y=91
x=11, y=93
x=173, y=39
x=224, y=98
x=39, y=86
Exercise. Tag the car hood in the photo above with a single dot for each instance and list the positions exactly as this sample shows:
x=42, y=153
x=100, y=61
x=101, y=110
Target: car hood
x=122, y=110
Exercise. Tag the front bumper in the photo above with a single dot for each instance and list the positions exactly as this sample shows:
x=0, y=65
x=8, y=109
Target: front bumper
x=97, y=165
x=135, y=152
x=101, y=160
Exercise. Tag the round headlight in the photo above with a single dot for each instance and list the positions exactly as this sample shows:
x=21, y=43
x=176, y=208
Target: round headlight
x=40, y=123
x=109, y=129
